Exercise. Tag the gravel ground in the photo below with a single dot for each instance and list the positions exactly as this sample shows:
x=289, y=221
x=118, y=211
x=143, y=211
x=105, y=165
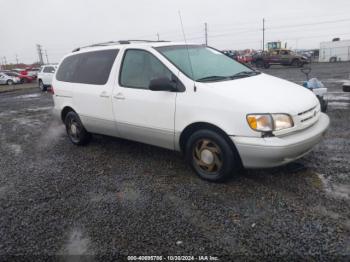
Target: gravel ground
x=115, y=198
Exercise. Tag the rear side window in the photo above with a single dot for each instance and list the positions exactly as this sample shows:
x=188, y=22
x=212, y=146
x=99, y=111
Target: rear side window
x=87, y=68
x=49, y=69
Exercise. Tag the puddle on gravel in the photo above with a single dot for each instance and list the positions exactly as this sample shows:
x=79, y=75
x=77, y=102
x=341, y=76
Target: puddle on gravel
x=328, y=213
x=26, y=121
x=36, y=109
x=338, y=105
x=77, y=244
x=13, y=148
x=3, y=191
x=109, y=197
x=129, y=194
x=16, y=149
x=27, y=96
x=338, y=97
x=334, y=189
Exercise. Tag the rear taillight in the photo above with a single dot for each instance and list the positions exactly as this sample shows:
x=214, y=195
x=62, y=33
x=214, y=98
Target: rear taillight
x=51, y=90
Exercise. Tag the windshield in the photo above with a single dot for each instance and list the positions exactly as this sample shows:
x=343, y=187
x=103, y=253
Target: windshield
x=207, y=63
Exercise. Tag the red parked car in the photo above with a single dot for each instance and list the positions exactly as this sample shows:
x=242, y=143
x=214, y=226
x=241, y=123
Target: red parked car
x=24, y=78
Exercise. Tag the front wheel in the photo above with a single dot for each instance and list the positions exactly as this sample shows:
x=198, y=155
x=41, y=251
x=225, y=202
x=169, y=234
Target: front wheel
x=75, y=129
x=9, y=82
x=211, y=156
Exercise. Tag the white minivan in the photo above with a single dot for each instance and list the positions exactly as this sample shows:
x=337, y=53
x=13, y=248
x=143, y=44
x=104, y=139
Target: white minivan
x=45, y=76
x=220, y=114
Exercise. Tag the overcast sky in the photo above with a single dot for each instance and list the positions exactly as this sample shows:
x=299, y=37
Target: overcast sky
x=61, y=25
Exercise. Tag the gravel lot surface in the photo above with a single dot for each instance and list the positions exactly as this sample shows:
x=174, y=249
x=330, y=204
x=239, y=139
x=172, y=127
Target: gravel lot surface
x=114, y=198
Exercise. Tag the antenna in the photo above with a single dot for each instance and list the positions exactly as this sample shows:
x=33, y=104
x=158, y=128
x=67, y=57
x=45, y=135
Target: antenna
x=188, y=52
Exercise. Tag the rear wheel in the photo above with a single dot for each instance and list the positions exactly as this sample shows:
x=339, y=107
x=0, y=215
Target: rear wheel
x=75, y=129
x=41, y=85
x=333, y=59
x=9, y=82
x=211, y=156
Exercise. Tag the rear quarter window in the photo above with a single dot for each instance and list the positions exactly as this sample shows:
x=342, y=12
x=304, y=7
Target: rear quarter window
x=87, y=68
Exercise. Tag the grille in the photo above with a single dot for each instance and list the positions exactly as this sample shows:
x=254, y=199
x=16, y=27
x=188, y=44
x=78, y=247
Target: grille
x=309, y=116
x=307, y=111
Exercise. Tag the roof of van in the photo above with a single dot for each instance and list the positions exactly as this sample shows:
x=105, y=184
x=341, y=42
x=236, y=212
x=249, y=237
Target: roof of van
x=131, y=43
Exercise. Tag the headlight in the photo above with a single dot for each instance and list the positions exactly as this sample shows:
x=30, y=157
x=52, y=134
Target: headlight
x=260, y=122
x=282, y=121
x=269, y=122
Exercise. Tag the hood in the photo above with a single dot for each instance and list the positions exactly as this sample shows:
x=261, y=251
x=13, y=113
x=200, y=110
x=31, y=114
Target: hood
x=263, y=94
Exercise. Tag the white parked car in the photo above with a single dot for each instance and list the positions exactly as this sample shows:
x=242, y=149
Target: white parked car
x=6, y=79
x=45, y=76
x=221, y=114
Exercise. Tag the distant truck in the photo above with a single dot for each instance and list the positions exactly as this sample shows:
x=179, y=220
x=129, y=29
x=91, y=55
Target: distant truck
x=334, y=51
x=280, y=56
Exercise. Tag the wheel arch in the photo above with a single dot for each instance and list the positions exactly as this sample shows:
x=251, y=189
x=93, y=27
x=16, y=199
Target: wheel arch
x=65, y=111
x=190, y=129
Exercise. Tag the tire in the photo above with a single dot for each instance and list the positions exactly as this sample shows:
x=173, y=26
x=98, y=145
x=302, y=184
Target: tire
x=42, y=87
x=259, y=63
x=266, y=65
x=75, y=130
x=211, y=156
x=333, y=59
x=9, y=82
x=24, y=81
x=346, y=88
x=296, y=63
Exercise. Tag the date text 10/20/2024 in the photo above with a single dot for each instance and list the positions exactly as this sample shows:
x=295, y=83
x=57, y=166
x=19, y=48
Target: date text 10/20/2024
x=172, y=258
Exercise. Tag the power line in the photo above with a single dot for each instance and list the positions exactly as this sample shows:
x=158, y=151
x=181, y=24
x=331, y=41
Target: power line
x=308, y=24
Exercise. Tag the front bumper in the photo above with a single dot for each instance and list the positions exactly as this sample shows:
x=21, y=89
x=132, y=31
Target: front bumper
x=257, y=152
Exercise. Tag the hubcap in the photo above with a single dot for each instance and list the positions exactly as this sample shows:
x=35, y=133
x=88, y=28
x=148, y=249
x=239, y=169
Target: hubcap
x=207, y=156
x=73, y=129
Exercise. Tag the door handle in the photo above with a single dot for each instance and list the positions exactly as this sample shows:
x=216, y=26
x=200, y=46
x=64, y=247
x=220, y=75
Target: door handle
x=104, y=94
x=119, y=96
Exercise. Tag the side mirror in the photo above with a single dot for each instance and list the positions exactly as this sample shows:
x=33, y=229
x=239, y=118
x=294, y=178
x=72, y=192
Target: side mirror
x=162, y=84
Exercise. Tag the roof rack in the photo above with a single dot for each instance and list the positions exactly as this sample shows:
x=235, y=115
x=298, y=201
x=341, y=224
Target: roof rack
x=120, y=42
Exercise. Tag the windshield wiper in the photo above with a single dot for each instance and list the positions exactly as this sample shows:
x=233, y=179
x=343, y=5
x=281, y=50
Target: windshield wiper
x=213, y=78
x=245, y=74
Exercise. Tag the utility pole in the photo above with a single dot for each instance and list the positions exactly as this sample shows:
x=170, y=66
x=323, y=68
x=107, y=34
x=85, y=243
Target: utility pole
x=40, y=54
x=5, y=63
x=206, y=33
x=158, y=36
x=263, y=34
x=47, y=57
x=17, y=59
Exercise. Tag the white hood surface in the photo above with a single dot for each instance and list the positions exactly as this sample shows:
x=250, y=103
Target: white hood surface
x=265, y=93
